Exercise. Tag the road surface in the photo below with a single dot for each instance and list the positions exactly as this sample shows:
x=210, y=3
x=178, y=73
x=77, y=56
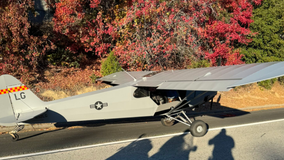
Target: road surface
x=259, y=140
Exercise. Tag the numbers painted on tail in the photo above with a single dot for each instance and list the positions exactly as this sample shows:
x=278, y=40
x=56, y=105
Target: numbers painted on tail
x=20, y=96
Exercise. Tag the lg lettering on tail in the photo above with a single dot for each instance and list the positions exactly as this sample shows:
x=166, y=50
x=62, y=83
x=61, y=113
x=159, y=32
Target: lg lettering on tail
x=20, y=96
x=17, y=91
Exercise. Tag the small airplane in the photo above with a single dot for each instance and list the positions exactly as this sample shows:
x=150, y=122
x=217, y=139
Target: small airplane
x=134, y=94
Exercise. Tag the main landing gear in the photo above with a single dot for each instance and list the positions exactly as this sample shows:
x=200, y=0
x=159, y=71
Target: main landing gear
x=197, y=128
x=176, y=113
x=15, y=136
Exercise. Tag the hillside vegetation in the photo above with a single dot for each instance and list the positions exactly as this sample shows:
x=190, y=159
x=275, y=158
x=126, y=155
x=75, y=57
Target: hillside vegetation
x=66, y=52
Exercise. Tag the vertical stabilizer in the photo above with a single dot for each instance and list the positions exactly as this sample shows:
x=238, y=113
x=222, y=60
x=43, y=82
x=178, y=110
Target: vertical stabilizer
x=18, y=102
x=7, y=117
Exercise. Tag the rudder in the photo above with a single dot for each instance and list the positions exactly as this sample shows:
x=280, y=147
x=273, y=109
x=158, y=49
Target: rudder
x=19, y=101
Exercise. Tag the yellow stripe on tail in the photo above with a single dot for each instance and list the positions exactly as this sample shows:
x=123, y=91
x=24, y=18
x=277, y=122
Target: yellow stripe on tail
x=13, y=89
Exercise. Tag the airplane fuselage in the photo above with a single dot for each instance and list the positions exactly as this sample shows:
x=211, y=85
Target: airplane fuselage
x=110, y=103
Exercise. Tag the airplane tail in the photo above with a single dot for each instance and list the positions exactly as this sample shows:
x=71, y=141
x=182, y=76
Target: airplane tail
x=18, y=102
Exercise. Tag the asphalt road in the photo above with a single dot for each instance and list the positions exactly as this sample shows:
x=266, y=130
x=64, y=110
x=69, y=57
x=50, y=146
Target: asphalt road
x=32, y=142
x=261, y=141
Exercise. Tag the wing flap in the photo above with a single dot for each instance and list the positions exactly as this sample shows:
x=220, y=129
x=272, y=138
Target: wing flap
x=198, y=85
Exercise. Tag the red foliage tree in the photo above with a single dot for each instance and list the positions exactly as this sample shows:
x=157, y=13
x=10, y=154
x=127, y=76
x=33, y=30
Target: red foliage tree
x=150, y=33
x=170, y=33
x=83, y=24
x=20, y=52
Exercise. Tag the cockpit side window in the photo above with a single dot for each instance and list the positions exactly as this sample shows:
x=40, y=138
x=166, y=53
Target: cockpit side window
x=141, y=92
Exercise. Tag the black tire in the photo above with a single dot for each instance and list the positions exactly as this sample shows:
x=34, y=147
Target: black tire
x=198, y=128
x=15, y=137
x=167, y=122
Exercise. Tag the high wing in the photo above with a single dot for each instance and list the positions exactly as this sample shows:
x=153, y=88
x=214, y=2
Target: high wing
x=222, y=78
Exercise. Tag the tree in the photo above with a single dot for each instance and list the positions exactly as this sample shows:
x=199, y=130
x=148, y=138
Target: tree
x=170, y=34
x=82, y=26
x=20, y=51
x=268, y=43
x=155, y=34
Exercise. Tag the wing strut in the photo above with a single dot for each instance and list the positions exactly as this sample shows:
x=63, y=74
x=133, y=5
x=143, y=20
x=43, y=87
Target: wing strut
x=129, y=75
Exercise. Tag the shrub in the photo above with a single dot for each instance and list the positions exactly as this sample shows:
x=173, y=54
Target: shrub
x=64, y=57
x=267, y=84
x=199, y=64
x=110, y=65
x=93, y=78
x=281, y=80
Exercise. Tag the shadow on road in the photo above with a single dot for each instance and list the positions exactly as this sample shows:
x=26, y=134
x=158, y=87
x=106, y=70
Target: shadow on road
x=223, y=145
x=178, y=147
x=175, y=148
x=134, y=151
x=39, y=134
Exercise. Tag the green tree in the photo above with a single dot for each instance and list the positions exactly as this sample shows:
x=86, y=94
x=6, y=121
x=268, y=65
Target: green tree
x=110, y=65
x=268, y=44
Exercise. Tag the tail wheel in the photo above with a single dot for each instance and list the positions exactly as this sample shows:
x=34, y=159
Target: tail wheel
x=15, y=136
x=198, y=128
x=167, y=122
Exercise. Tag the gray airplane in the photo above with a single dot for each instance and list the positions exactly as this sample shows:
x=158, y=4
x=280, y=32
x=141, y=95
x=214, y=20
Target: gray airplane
x=134, y=94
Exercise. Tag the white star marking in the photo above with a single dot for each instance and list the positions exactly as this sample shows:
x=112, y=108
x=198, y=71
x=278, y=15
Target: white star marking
x=99, y=106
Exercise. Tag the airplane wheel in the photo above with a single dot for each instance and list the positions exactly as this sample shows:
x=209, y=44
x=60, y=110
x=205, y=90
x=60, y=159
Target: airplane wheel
x=198, y=128
x=167, y=122
x=15, y=137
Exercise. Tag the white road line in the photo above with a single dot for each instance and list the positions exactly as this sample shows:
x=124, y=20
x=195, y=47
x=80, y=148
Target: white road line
x=248, y=124
x=131, y=140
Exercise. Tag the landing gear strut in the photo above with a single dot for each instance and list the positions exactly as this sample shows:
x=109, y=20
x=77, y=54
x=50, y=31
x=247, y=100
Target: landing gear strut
x=198, y=128
x=15, y=136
